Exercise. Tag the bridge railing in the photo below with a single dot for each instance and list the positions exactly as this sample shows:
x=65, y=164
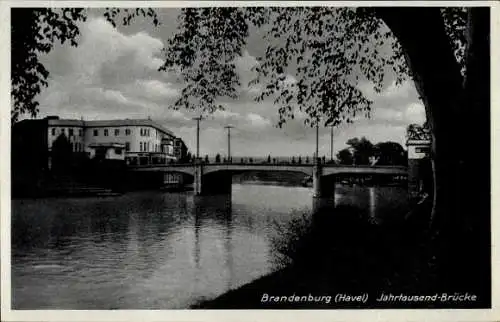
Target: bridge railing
x=173, y=165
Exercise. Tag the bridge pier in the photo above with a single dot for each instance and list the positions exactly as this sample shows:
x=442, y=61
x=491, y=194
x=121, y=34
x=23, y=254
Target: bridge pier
x=322, y=186
x=317, y=173
x=216, y=184
x=198, y=175
x=211, y=183
x=319, y=203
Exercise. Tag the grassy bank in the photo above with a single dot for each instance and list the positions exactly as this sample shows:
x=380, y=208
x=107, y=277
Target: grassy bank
x=339, y=251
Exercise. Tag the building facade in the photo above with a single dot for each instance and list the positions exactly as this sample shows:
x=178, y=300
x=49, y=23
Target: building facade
x=419, y=165
x=130, y=140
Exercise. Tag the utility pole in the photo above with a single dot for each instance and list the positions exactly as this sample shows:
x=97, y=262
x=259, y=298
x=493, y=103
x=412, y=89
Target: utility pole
x=316, y=158
x=331, y=143
x=198, y=119
x=228, y=127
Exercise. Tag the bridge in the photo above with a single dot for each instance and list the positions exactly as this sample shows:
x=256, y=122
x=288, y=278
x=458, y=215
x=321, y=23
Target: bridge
x=212, y=178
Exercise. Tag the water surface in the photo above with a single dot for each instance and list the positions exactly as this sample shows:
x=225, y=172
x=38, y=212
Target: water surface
x=157, y=250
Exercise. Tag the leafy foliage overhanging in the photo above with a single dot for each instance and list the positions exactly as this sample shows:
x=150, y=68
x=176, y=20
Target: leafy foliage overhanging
x=327, y=50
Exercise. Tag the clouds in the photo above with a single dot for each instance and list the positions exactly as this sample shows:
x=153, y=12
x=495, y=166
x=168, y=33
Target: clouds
x=109, y=73
x=258, y=121
x=154, y=88
x=113, y=73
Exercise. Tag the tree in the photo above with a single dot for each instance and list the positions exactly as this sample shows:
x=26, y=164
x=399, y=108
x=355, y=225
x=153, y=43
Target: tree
x=35, y=31
x=185, y=158
x=362, y=150
x=344, y=156
x=390, y=153
x=307, y=159
x=62, y=153
x=269, y=159
x=300, y=160
x=293, y=160
x=418, y=132
x=206, y=159
x=217, y=158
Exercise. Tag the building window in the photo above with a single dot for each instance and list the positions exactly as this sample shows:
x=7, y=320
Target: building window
x=140, y=146
x=106, y=132
x=53, y=131
x=70, y=132
x=148, y=132
x=117, y=132
x=80, y=132
x=96, y=132
x=118, y=151
x=127, y=131
x=62, y=131
x=422, y=150
x=127, y=146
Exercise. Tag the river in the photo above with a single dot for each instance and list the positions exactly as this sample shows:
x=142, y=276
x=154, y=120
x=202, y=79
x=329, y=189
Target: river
x=157, y=250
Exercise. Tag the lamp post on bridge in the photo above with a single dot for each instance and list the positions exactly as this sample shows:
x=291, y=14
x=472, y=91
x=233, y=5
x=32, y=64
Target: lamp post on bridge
x=316, y=157
x=198, y=119
x=317, y=169
x=198, y=165
x=228, y=127
x=331, y=143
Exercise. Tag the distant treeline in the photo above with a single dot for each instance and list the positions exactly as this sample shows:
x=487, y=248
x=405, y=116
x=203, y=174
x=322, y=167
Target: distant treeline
x=359, y=152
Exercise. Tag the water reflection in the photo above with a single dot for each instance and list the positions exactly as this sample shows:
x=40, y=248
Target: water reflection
x=152, y=250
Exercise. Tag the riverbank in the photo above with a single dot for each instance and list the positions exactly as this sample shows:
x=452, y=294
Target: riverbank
x=341, y=253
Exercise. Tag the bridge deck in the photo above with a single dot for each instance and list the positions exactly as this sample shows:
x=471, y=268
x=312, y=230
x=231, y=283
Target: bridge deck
x=327, y=169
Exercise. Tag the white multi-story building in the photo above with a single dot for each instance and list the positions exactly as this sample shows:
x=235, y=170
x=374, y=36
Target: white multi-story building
x=135, y=141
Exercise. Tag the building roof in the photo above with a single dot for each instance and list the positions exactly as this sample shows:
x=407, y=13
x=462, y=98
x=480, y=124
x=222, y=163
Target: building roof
x=107, y=145
x=66, y=122
x=110, y=123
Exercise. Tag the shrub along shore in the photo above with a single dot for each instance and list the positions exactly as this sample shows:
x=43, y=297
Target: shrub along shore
x=343, y=253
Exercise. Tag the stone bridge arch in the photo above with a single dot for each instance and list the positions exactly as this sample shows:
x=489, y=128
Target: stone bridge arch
x=237, y=168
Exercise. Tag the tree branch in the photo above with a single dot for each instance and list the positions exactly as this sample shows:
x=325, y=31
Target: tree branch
x=429, y=55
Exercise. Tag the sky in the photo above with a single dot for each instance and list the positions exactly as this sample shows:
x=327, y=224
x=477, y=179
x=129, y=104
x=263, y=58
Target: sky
x=113, y=74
